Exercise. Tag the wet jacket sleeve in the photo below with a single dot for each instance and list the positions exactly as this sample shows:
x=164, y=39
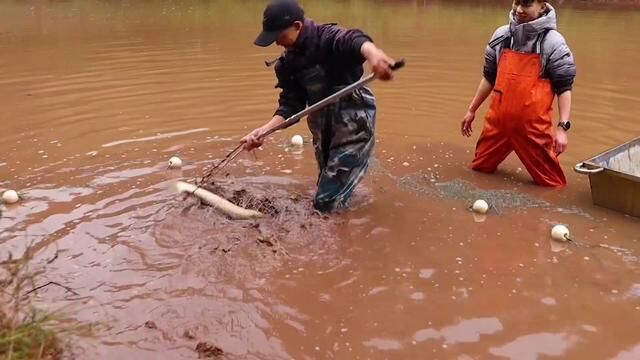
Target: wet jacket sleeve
x=293, y=97
x=490, y=70
x=343, y=43
x=560, y=67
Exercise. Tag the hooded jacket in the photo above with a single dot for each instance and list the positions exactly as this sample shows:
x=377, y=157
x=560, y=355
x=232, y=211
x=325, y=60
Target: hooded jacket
x=557, y=60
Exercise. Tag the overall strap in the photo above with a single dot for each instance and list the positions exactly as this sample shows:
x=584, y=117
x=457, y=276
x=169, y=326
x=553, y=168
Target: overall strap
x=505, y=40
x=537, y=46
x=538, y=49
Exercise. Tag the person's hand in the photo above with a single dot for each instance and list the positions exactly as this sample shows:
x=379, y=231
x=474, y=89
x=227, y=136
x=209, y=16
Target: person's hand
x=381, y=65
x=465, y=127
x=379, y=61
x=253, y=139
x=561, y=141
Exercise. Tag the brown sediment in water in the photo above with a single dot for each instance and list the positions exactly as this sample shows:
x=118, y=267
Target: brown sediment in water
x=206, y=350
x=291, y=224
x=226, y=263
x=252, y=198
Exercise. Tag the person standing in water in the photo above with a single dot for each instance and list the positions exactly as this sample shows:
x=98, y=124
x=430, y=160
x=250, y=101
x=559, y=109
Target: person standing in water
x=318, y=61
x=527, y=64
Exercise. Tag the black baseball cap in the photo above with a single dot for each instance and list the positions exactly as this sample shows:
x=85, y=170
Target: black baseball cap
x=278, y=16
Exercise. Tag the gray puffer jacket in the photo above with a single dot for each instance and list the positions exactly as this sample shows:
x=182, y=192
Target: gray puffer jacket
x=557, y=60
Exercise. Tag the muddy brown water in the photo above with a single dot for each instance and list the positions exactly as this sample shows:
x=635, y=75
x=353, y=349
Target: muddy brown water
x=97, y=95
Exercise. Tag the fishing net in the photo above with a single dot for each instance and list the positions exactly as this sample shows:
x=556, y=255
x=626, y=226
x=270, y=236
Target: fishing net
x=267, y=199
x=241, y=249
x=428, y=184
x=465, y=191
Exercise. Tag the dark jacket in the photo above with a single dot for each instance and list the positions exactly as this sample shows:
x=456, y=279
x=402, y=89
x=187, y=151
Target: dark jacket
x=323, y=59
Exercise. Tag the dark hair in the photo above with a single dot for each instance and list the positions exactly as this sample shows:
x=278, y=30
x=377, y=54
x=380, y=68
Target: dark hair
x=527, y=3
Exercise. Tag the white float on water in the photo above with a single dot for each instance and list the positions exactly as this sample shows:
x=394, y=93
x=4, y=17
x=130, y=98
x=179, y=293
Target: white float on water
x=10, y=197
x=560, y=233
x=175, y=163
x=297, y=140
x=480, y=207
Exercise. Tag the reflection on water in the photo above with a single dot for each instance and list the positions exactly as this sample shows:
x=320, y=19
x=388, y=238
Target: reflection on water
x=465, y=331
x=532, y=346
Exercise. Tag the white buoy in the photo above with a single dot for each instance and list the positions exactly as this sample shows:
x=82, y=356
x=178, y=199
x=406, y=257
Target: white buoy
x=480, y=207
x=297, y=140
x=10, y=197
x=175, y=163
x=560, y=233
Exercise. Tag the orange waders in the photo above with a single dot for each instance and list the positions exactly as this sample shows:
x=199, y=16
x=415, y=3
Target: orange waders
x=520, y=119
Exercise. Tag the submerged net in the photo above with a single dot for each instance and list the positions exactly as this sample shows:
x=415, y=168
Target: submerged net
x=464, y=190
x=271, y=200
x=239, y=249
x=426, y=185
